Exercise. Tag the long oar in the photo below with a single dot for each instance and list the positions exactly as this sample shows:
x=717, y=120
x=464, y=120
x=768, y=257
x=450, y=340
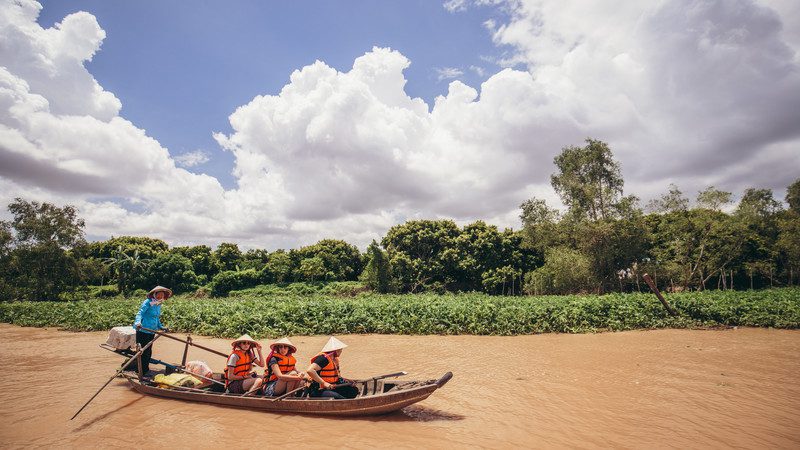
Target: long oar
x=119, y=371
x=166, y=335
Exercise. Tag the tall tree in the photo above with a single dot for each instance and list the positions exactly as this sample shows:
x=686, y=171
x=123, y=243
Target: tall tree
x=227, y=256
x=588, y=180
x=39, y=265
x=793, y=196
x=377, y=273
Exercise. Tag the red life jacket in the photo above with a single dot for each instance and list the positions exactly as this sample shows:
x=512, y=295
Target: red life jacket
x=329, y=373
x=285, y=363
x=243, y=366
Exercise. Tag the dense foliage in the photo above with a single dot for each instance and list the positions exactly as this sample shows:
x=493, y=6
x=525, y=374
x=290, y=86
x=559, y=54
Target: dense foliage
x=604, y=242
x=282, y=315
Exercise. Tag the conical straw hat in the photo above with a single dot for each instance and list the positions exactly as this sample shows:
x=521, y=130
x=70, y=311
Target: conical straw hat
x=159, y=289
x=284, y=341
x=333, y=345
x=244, y=338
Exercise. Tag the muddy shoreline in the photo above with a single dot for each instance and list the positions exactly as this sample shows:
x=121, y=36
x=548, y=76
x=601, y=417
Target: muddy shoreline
x=659, y=388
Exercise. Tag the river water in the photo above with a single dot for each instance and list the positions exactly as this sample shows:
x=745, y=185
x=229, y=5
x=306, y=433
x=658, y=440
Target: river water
x=663, y=388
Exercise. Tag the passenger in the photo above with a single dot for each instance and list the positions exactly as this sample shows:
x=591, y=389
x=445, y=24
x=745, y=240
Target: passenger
x=324, y=371
x=280, y=375
x=240, y=378
x=149, y=316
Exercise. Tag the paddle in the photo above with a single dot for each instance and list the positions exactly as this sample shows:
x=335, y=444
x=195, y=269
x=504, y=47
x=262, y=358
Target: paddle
x=166, y=335
x=119, y=371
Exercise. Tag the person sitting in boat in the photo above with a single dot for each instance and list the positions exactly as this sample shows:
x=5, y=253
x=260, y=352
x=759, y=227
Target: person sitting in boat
x=281, y=375
x=149, y=316
x=324, y=373
x=239, y=375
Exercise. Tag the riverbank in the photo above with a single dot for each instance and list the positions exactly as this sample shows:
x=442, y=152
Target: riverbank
x=633, y=389
x=270, y=316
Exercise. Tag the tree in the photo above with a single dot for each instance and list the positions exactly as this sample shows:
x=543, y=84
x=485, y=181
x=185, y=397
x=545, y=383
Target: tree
x=341, y=261
x=227, y=256
x=672, y=201
x=279, y=266
x=540, y=225
x=36, y=245
x=171, y=270
x=758, y=211
x=793, y=196
x=588, y=180
x=201, y=258
x=255, y=258
x=129, y=268
x=565, y=271
x=712, y=198
x=312, y=268
x=377, y=273
x=423, y=253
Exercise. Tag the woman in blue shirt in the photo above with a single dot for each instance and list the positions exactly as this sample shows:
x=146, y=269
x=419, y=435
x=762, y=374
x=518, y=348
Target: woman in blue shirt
x=149, y=316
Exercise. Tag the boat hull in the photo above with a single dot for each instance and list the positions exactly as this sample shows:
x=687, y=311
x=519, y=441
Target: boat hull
x=360, y=406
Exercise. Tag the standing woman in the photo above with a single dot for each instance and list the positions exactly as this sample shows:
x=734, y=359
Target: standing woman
x=281, y=376
x=149, y=316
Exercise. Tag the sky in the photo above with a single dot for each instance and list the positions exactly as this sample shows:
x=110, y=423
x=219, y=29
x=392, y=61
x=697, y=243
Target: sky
x=277, y=124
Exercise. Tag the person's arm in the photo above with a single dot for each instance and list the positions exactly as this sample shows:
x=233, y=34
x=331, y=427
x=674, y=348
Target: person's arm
x=259, y=361
x=137, y=322
x=312, y=372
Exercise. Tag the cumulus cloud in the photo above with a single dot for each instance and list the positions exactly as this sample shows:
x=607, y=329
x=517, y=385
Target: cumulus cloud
x=192, y=159
x=694, y=93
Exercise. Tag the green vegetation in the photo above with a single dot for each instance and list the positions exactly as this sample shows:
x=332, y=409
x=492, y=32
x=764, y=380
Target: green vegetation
x=604, y=242
x=278, y=315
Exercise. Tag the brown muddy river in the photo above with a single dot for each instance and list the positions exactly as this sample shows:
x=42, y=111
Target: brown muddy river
x=665, y=388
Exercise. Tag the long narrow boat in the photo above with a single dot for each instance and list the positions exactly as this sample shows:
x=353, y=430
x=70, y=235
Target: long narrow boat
x=375, y=397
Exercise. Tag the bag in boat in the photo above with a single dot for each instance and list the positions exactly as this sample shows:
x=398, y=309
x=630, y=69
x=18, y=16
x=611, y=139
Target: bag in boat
x=176, y=380
x=122, y=338
x=199, y=368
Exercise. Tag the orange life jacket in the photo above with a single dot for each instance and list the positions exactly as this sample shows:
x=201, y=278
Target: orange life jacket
x=329, y=373
x=243, y=366
x=285, y=363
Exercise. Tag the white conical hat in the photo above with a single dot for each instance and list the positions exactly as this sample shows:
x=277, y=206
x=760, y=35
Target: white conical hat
x=283, y=341
x=333, y=345
x=244, y=338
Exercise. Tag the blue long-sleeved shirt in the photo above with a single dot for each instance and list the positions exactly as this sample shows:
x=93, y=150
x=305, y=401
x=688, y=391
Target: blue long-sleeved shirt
x=148, y=316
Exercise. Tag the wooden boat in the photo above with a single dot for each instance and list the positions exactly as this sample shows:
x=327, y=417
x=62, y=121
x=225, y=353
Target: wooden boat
x=375, y=397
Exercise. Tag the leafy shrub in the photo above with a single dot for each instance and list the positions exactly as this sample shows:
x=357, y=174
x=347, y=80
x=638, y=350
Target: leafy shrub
x=271, y=316
x=228, y=280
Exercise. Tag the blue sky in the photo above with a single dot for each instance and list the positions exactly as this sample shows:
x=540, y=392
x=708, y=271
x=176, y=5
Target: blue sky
x=180, y=71
x=277, y=124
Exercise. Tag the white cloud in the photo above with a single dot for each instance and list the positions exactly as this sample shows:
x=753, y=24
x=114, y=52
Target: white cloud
x=455, y=5
x=480, y=71
x=448, y=73
x=193, y=159
x=692, y=93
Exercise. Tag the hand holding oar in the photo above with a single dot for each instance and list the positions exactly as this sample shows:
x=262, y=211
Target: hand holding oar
x=119, y=371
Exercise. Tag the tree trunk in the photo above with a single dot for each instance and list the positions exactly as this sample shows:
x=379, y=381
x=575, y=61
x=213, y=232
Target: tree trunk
x=731, y=279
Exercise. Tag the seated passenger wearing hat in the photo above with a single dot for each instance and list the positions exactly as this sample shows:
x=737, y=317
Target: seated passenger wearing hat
x=324, y=371
x=239, y=375
x=280, y=375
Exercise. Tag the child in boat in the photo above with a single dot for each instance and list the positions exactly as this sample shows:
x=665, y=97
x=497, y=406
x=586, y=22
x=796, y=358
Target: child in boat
x=240, y=378
x=280, y=375
x=324, y=371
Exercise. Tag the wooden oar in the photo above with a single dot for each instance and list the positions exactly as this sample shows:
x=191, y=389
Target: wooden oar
x=161, y=333
x=119, y=371
x=287, y=394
